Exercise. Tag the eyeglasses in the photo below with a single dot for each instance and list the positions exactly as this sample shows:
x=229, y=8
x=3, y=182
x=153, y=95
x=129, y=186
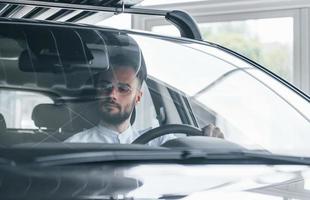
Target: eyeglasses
x=106, y=88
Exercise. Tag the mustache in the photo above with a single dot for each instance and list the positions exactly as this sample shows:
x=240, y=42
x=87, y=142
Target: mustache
x=109, y=102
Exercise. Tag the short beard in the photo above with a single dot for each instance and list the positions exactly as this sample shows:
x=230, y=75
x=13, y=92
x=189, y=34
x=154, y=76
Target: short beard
x=115, y=119
x=118, y=118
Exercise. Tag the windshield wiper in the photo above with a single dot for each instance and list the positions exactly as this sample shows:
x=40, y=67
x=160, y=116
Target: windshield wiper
x=171, y=156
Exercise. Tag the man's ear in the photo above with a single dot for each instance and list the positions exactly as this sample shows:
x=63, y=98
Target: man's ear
x=139, y=96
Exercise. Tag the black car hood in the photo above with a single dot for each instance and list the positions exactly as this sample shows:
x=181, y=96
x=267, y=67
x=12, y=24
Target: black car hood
x=153, y=181
x=142, y=172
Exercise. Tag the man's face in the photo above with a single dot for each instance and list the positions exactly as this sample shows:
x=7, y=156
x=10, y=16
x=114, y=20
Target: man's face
x=119, y=92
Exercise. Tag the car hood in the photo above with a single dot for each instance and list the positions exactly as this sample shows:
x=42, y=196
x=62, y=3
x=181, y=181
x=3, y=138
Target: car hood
x=153, y=181
x=106, y=171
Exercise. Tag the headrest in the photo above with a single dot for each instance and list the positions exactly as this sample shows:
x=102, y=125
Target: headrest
x=52, y=116
x=2, y=124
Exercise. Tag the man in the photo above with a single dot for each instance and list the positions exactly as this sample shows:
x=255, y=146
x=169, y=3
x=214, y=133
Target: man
x=119, y=91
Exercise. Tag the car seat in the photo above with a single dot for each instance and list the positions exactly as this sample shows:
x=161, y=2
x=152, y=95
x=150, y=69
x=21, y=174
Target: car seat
x=55, y=121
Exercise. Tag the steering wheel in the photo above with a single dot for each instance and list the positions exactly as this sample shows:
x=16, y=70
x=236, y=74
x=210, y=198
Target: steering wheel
x=167, y=129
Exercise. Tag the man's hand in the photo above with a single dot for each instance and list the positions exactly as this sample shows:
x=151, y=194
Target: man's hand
x=212, y=131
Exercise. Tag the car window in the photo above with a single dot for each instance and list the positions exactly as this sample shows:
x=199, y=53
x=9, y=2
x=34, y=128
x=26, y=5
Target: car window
x=17, y=106
x=202, y=85
x=250, y=107
x=241, y=102
x=62, y=62
x=92, y=112
x=146, y=117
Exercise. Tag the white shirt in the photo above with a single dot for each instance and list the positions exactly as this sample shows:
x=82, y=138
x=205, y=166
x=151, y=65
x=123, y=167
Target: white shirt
x=101, y=134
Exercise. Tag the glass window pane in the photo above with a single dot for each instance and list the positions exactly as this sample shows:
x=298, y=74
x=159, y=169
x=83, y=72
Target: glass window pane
x=17, y=106
x=258, y=40
x=249, y=106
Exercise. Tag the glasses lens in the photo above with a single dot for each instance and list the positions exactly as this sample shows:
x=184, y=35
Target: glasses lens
x=123, y=88
x=106, y=88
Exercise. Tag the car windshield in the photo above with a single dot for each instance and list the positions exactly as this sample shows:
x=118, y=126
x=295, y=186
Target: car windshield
x=67, y=84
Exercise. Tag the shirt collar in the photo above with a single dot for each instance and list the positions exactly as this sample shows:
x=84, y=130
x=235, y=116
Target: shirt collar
x=104, y=129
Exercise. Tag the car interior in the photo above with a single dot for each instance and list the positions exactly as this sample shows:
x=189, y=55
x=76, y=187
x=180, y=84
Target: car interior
x=54, y=122
x=49, y=89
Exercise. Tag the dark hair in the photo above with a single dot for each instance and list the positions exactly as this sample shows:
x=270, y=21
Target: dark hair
x=137, y=64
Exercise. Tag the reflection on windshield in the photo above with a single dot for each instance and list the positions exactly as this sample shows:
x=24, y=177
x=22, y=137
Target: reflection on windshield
x=251, y=108
x=214, y=83
x=111, y=87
